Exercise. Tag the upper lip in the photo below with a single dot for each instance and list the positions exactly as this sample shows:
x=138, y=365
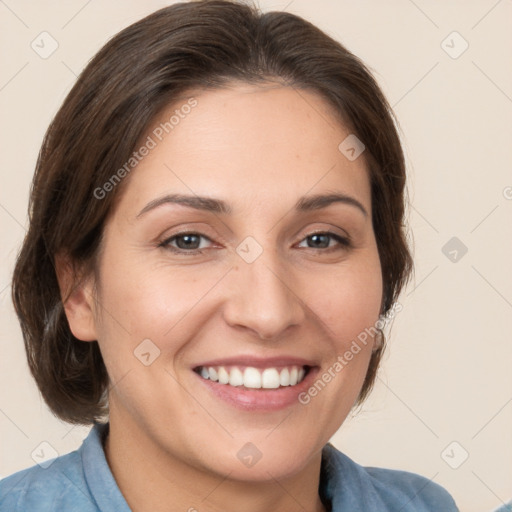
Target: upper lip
x=258, y=362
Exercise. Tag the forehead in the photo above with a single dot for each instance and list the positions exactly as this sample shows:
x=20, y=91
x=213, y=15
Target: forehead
x=249, y=144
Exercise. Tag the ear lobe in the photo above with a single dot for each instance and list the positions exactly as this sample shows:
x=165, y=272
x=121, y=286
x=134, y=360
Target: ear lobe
x=77, y=299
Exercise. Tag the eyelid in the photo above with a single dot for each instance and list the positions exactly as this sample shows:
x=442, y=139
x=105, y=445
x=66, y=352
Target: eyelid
x=194, y=229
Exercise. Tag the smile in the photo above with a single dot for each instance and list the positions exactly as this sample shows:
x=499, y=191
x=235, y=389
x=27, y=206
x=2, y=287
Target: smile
x=254, y=378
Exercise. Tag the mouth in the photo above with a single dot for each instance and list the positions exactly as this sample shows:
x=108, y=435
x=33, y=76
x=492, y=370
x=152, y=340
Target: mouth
x=257, y=384
x=251, y=377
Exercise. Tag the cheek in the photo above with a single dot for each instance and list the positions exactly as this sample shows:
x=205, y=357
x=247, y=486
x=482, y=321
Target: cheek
x=153, y=301
x=347, y=301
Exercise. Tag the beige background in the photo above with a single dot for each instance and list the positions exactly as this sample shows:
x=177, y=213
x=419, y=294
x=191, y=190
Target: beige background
x=447, y=373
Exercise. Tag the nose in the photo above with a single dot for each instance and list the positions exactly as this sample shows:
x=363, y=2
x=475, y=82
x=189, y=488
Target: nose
x=262, y=298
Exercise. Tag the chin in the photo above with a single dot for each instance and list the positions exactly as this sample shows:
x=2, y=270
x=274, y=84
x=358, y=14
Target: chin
x=250, y=462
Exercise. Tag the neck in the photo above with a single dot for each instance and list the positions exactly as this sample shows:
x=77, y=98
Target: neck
x=153, y=480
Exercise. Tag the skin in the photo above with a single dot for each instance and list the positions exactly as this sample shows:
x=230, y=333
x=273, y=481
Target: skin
x=173, y=444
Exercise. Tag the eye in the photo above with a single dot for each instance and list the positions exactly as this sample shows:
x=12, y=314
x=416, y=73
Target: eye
x=190, y=242
x=185, y=243
x=321, y=240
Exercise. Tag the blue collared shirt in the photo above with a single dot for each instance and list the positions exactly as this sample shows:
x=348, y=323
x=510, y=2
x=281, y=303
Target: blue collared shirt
x=81, y=481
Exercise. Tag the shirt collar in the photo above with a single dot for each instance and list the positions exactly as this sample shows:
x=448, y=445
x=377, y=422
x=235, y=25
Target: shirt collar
x=98, y=476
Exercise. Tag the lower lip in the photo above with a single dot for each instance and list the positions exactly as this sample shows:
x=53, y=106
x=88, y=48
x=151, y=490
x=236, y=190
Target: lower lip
x=260, y=399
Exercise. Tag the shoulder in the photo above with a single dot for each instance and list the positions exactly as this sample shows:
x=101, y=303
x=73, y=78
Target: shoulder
x=418, y=492
x=48, y=487
x=382, y=489
x=79, y=481
x=506, y=507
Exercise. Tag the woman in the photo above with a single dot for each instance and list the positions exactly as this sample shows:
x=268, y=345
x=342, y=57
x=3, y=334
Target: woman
x=216, y=235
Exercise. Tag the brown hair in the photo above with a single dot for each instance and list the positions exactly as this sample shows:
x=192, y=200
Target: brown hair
x=206, y=43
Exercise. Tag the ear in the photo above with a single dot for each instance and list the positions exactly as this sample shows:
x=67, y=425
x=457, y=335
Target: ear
x=77, y=299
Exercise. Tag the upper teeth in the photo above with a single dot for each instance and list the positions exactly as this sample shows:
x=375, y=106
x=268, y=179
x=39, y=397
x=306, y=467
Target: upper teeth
x=268, y=378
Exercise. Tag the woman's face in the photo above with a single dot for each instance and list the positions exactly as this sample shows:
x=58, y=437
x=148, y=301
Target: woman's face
x=245, y=280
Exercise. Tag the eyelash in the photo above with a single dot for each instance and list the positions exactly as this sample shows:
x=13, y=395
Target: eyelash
x=344, y=243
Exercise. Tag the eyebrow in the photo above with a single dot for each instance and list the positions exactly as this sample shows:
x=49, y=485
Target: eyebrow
x=304, y=204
